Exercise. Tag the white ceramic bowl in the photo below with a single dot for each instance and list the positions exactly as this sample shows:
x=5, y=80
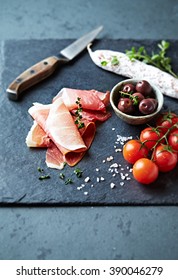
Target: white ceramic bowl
x=132, y=119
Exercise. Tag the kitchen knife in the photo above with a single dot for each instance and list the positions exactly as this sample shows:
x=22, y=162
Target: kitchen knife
x=47, y=66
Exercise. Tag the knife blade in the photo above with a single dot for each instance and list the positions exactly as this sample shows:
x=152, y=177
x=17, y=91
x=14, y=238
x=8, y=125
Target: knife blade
x=47, y=66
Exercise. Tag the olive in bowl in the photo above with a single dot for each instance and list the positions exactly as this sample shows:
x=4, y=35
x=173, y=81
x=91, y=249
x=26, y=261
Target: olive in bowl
x=136, y=101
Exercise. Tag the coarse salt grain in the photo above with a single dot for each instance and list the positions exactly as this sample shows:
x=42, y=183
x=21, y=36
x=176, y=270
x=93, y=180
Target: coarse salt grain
x=85, y=193
x=118, y=150
x=114, y=165
x=87, y=179
x=121, y=183
x=109, y=158
x=102, y=179
x=112, y=185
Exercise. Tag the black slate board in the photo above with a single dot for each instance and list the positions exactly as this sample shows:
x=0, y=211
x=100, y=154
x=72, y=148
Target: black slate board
x=19, y=183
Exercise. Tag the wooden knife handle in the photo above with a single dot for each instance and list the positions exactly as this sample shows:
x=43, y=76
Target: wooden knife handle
x=33, y=75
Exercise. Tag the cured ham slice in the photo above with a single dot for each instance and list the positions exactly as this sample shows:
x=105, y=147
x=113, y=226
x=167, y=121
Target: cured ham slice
x=55, y=158
x=89, y=99
x=40, y=112
x=37, y=137
x=55, y=127
x=135, y=69
x=62, y=130
x=94, y=115
x=57, y=122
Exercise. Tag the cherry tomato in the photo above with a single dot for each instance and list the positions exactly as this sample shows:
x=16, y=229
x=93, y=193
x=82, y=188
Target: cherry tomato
x=150, y=136
x=173, y=140
x=134, y=150
x=165, y=158
x=166, y=121
x=145, y=171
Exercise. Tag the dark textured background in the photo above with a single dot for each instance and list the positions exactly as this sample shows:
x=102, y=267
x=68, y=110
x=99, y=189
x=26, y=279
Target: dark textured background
x=18, y=164
x=87, y=232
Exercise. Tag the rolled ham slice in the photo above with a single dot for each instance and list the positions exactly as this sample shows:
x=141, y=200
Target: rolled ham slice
x=167, y=84
x=60, y=127
x=55, y=158
x=54, y=125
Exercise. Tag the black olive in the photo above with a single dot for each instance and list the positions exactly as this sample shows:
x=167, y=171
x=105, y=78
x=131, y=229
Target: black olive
x=128, y=88
x=147, y=106
x=125, y=105
x=138, y=96
x=144, y=87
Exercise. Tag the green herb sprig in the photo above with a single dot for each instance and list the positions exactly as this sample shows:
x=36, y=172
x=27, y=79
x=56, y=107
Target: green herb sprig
x=43, y=176
x=134, y=99
x=78, y=114
x=68, y=181
x=159, y=60
x=78, y=172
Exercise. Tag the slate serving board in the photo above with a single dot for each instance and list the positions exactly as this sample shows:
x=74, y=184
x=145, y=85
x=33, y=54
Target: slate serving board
x=19, y=179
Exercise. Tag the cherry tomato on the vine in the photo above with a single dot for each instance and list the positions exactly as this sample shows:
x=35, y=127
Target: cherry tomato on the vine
x=145, y=171
x=165, y=158
x=173, y=140
x=134, y=150
x=166, y=121
x=150, y=136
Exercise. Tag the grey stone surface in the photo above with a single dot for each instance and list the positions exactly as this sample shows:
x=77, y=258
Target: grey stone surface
x=97, y=232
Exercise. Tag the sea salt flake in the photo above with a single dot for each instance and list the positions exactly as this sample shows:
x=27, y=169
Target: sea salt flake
x=87, y=179
x=85, y=193
x=109, y=158
x=114, y=165
x=112, y=185
x=118, y=150
x=102, y=179
x=121, y=183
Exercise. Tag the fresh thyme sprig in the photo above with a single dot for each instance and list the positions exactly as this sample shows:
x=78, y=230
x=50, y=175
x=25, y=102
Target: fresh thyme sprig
x=134, y=99
x=78, y=172
x=78, y=114
x=159, y=60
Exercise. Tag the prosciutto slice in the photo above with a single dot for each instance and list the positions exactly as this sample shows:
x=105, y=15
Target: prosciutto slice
x=54, y=125
x=37, y=137
x=55, y=158
x=135, y=69
x=93, y=116
x=62, y=130
x=57, y=122
x=89, y=99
